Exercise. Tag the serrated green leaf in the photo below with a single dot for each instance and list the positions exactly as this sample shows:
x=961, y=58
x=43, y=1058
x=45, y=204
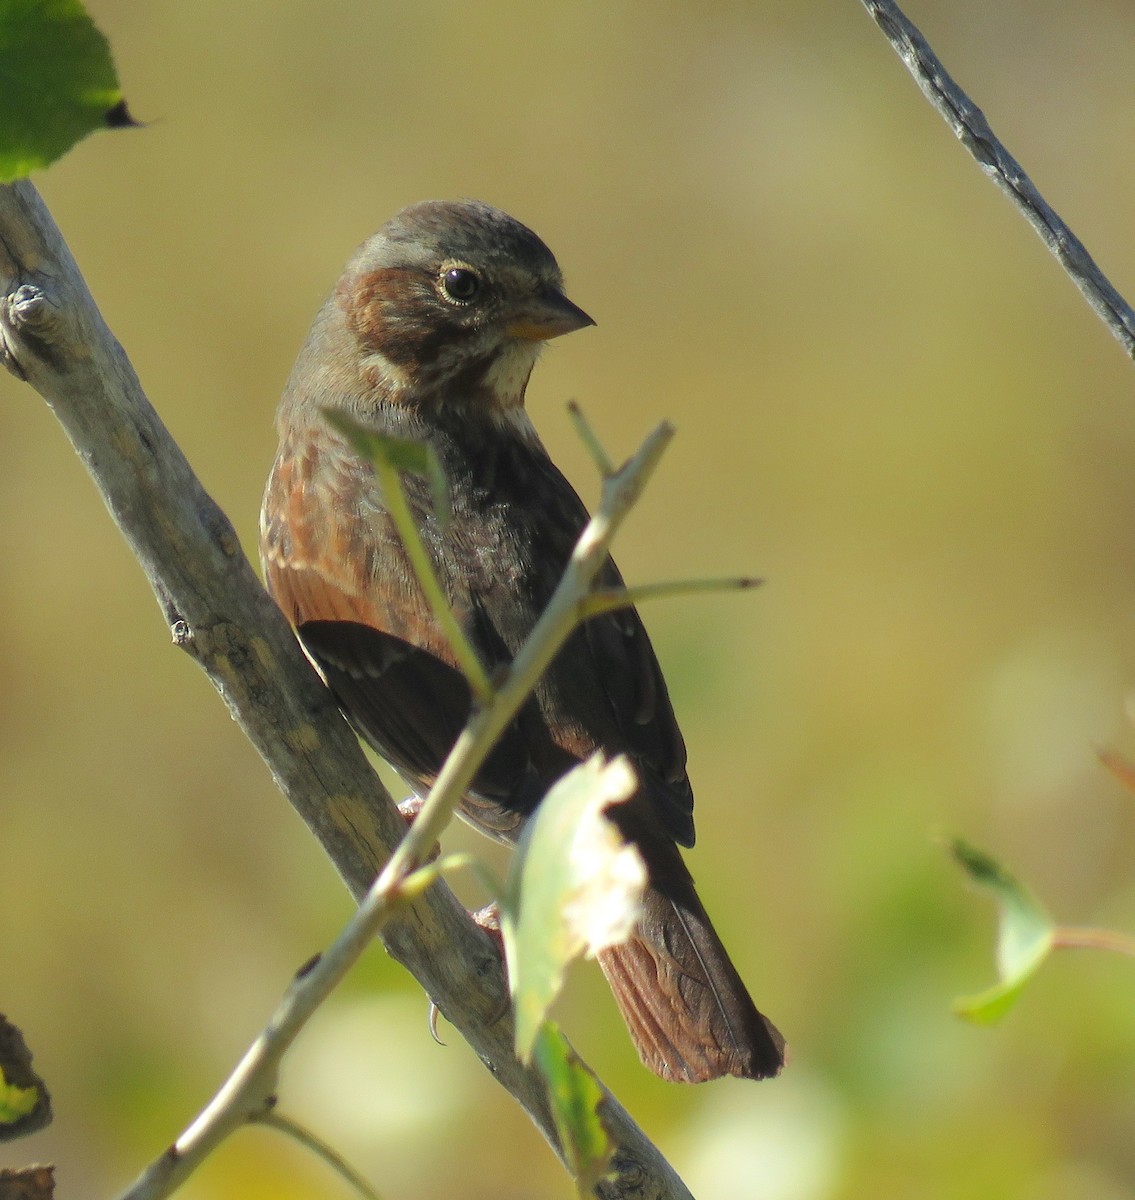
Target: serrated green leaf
x=574, y=887
x=57, y=80
x=575, y=1097
x=403, y=454
x=1024, y=939
x=16, y=1102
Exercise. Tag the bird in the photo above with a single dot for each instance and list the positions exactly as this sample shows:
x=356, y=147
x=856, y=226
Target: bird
x=431, y=334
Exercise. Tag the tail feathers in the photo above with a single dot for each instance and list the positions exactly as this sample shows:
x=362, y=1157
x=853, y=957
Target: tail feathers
x=685, y=1006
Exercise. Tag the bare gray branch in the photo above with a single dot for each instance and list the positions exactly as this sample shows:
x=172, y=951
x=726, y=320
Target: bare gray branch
x=969, y=124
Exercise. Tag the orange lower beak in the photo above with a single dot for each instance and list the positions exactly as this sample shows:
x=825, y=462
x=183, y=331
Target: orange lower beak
x=548, y=316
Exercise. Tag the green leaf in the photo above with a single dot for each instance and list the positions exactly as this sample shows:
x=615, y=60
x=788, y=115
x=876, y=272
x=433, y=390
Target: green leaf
x=575, y=886
x=1025, y=936
x=58, y=83
x=25, y=1105
x=16, y=1103
x=575, y=1097
x=402, y=454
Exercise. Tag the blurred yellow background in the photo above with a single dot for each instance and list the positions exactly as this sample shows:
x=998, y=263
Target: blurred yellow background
x=892, y=406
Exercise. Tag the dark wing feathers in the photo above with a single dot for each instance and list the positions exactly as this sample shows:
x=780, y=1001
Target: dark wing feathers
x=348, y=589
x=407, y=703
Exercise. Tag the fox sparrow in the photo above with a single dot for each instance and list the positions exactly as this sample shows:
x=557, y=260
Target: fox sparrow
x=431, y=334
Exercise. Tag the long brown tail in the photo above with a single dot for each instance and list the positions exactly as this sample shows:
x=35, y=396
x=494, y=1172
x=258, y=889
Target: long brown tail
x=685, y=1006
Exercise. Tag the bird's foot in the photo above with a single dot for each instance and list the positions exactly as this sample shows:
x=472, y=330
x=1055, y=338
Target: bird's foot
x=409, y=810
x=489, y=919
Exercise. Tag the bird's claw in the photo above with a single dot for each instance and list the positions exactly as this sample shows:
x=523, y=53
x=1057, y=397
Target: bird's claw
x=409, y=810
x=435, y=1012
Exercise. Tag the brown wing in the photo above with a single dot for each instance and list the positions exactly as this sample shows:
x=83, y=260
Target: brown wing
x=334, y=564
x=324, y=541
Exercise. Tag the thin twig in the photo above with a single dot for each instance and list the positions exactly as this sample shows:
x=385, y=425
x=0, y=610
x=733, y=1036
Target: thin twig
x=969, y=124
x=588, y=437
x=293, y=1129
x=249, y=1093
x=1072, y=937
x=607, y=600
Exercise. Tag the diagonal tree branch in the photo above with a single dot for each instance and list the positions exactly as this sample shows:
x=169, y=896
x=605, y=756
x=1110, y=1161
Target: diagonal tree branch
x=52, y=336
x=969, y=124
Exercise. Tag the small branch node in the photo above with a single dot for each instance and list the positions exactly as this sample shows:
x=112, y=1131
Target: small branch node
x=30, y=308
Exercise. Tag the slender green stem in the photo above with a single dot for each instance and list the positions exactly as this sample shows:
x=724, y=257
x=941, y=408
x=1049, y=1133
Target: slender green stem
x=414, y=884
x=1067, y=937
x=399, y=510
x=293, y=1129
x=589, y=438
x=611, y=599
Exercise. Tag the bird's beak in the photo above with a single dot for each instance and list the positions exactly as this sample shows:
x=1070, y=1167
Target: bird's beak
x=547, y=316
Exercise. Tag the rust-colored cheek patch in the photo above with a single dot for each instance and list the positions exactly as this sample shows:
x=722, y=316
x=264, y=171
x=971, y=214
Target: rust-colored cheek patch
x=386, y=311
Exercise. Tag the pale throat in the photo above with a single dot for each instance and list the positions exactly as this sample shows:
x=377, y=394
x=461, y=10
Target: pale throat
x=507, y=375
x=505, y=378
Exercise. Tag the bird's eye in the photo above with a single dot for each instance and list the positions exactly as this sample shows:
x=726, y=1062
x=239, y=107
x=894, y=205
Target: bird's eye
x=461, y=284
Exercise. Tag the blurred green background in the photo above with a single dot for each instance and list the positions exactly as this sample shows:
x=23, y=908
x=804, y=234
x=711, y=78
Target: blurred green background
x=891, y=405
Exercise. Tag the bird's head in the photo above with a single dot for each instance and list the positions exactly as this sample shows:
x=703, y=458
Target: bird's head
x=450, y=302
